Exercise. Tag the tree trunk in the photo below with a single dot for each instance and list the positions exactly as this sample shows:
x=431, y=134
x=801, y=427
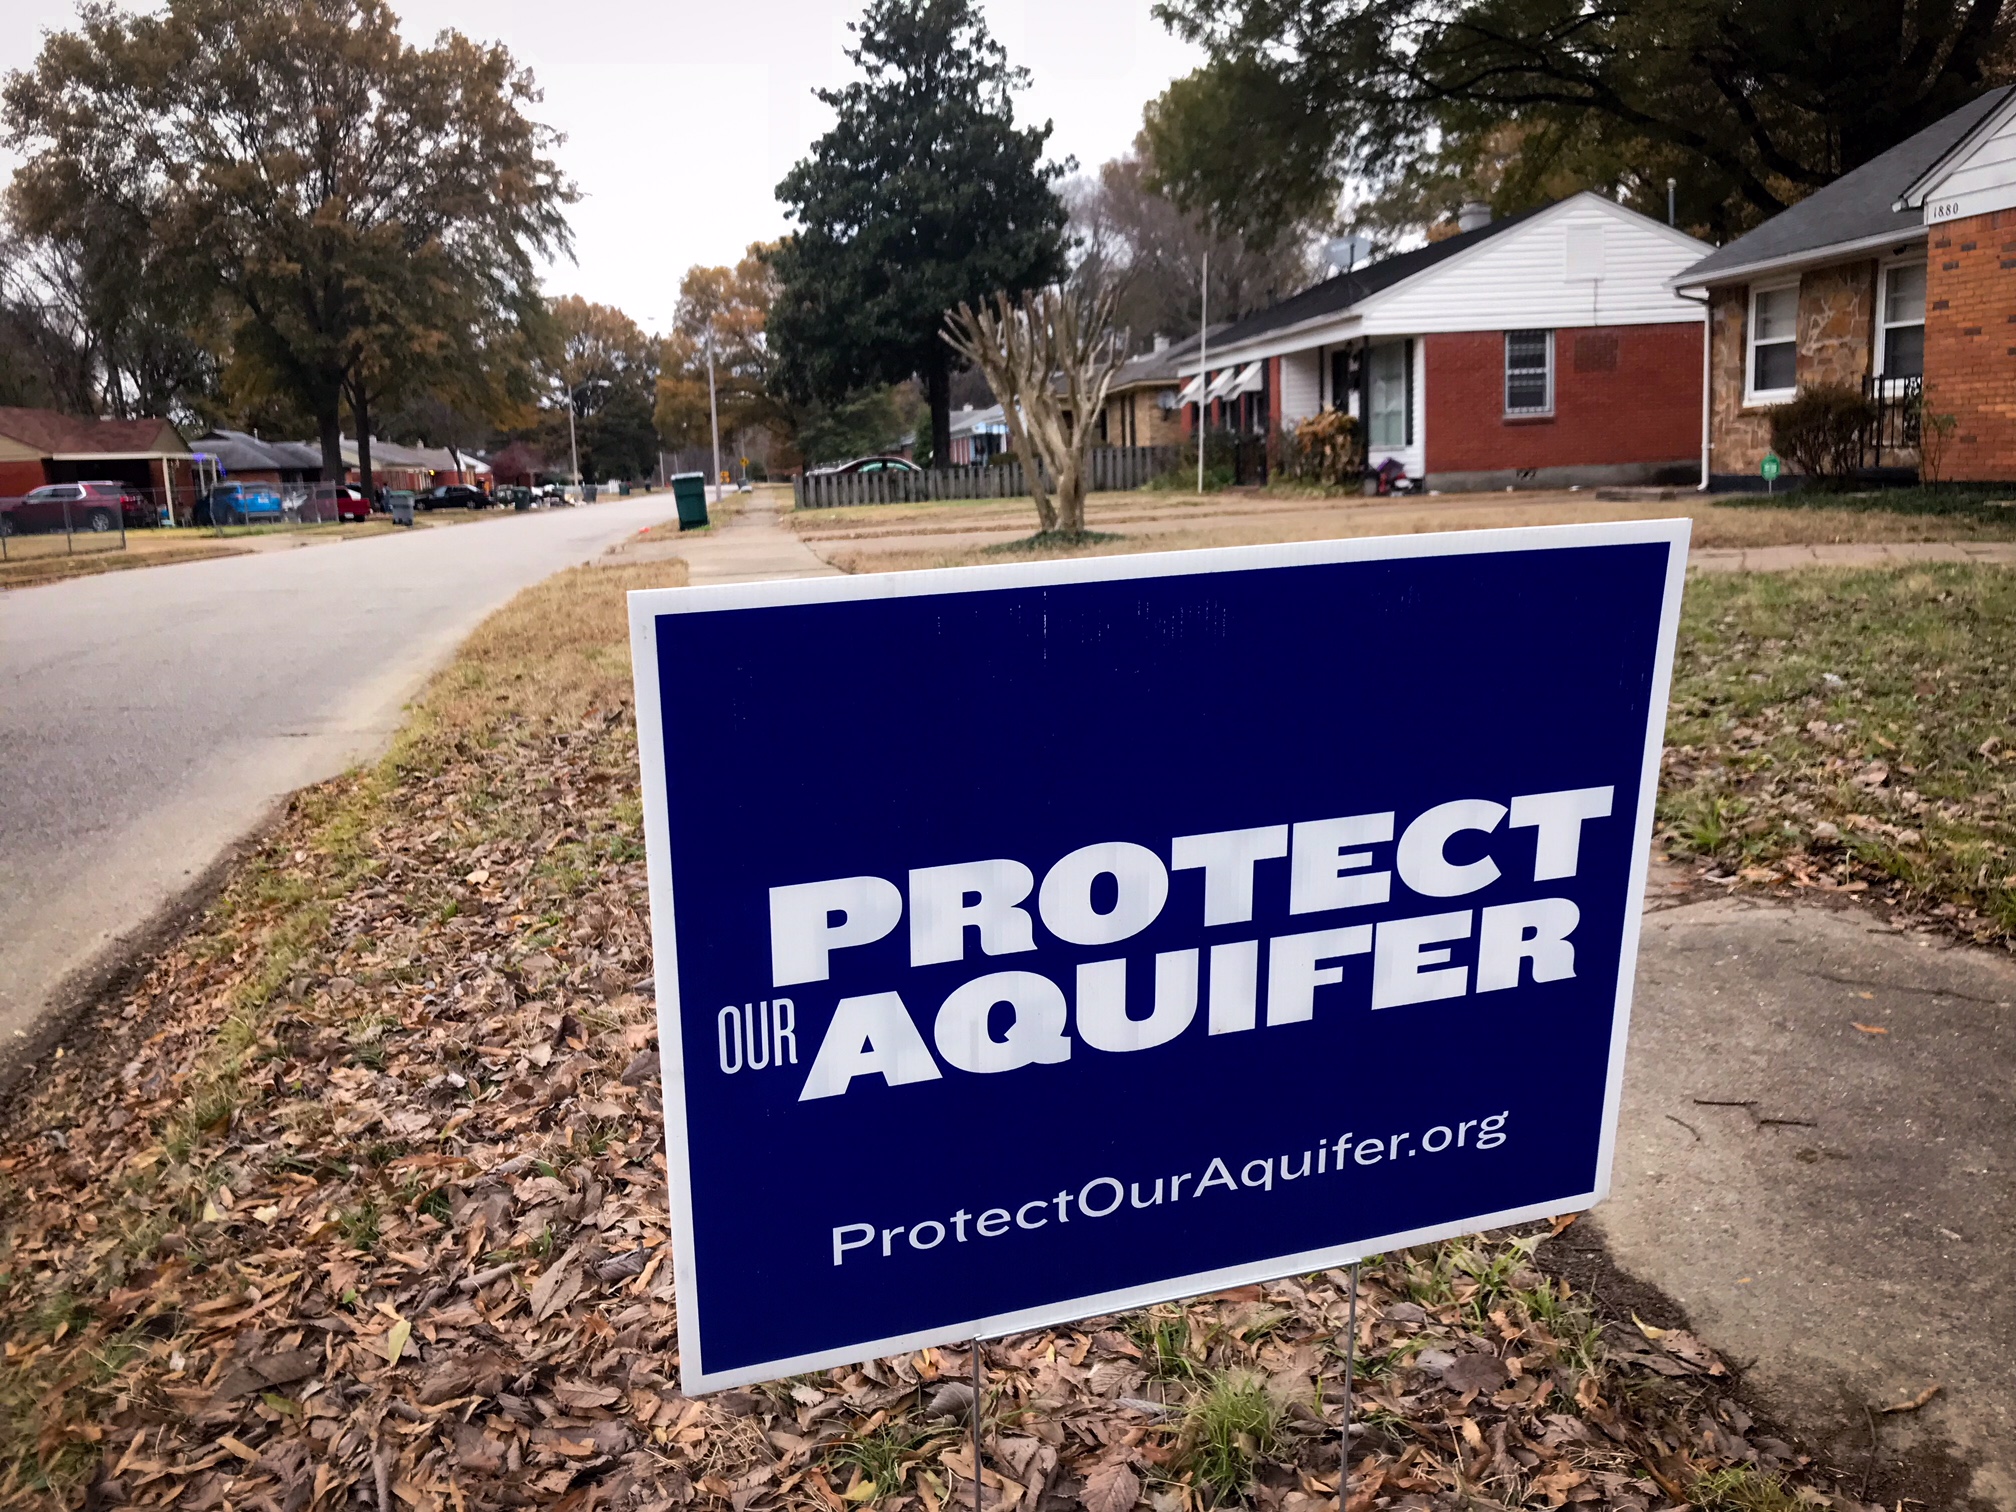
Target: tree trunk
x=329, y=421
x=360, y=411
x=1032, y=472
x=938, y=390
x=1071, y=490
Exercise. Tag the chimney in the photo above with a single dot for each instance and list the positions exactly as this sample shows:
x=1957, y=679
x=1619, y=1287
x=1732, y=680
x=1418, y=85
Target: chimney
x=1161, y=343
x=1474, y=216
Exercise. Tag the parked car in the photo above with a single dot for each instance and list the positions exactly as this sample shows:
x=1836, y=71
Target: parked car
x=452, y=496
x=341, y=501
x=241, y=504
x=92, y=506
x=867, y=465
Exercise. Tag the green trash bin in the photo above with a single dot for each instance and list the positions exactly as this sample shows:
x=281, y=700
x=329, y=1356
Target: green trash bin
x=689, y=491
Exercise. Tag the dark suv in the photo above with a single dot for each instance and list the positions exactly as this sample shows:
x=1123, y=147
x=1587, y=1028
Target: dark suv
x=452, y=496
x=94, y=506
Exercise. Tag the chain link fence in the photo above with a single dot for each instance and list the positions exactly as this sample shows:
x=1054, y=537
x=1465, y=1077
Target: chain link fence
x=38, y=525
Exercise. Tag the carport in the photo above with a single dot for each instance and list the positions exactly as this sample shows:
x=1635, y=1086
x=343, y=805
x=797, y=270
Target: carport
x=40, y=446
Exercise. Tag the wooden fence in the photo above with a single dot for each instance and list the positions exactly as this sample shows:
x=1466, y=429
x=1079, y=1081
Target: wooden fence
x=1110, y=467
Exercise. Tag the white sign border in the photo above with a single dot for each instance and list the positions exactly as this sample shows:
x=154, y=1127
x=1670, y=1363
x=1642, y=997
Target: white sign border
x=647, y=604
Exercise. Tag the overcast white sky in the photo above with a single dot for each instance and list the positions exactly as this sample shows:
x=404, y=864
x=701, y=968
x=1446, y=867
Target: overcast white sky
x=680, y=118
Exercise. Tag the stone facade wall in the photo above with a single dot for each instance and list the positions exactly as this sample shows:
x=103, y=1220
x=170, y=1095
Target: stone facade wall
x=1837, y=324
x=1837, y=342
x=1970, y=344
x=1738, y=436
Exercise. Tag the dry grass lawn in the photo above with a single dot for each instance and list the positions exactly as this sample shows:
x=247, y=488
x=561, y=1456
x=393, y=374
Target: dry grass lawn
x=41, y=559
x=888, y=537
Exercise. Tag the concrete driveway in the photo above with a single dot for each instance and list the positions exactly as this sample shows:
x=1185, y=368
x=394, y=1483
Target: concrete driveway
x=150, y=719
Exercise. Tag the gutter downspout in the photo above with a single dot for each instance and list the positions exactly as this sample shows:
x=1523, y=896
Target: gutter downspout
x=1707, y=382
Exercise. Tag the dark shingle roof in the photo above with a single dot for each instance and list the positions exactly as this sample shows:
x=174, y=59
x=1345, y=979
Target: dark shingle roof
x=1159, y=367
x=1337, y=294
x=237, y=452
x=1854, y=208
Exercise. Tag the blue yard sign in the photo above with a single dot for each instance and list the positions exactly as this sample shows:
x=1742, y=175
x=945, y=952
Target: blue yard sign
x=1038, y=941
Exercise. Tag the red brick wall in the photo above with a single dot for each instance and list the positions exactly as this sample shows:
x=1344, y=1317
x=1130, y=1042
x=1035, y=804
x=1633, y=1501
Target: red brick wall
x=1970, y=343
x=1621, y=394
x=17, y=478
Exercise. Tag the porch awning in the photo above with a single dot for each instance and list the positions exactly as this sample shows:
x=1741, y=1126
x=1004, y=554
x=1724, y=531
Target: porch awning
x=1188, y=393
x=1250, y=380
x=1221, y=386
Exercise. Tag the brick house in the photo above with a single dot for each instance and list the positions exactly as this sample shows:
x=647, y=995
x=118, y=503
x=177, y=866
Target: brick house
x=1141, y=406
x=39, y=446
x=1848, y=287
x=1547, y=349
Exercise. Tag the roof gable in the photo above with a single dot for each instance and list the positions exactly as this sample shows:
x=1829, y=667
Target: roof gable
x=1344, y=291
x=1976, y=176
x=1518, y=272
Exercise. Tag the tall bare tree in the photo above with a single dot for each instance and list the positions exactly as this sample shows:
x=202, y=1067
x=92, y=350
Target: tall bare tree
x=1050, y=357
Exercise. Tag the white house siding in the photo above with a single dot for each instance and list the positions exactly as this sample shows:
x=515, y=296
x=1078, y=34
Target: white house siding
x=1982, y=180
x=1520, y=279
x=1301, y=387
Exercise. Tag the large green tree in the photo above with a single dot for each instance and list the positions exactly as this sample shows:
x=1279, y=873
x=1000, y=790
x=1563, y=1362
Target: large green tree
x=1749, y=104
x=367, y=216
x=924, y=195
x=608, y=368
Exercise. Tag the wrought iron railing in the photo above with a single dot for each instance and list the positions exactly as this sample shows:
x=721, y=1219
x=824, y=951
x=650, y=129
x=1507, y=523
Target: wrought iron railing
x=1894, y=420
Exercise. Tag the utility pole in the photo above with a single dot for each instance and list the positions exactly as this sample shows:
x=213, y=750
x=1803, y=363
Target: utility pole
x=1203, y=356
x=1672, y=209
x=573, y=446
x=713, y=414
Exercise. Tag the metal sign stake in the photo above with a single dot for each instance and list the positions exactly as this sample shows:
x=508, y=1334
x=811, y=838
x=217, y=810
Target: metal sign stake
x=1350, y=1358
x=977, y=1383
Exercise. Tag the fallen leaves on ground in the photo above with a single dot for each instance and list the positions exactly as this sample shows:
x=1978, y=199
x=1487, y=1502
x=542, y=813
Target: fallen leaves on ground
x=357, y=1200
x=1851, y=733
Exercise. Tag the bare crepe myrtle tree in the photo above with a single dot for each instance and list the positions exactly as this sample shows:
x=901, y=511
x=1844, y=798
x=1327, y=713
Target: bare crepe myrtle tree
x=1050, y=357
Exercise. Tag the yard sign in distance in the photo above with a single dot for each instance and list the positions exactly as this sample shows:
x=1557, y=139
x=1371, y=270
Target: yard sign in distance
x=1039, y=941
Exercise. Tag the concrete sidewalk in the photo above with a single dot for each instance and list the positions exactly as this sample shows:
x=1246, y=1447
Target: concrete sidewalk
x=1849, y=554
x=1817, y=1160
x=751, y=546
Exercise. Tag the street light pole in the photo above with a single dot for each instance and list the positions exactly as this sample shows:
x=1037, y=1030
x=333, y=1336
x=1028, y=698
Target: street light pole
x=713, y=414
x=573, y=446
x=1204, y=374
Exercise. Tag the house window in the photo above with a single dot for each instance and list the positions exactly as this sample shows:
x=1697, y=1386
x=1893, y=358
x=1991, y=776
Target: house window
x=1529, y=372
x=1774, y=343
x=1391, y=402
x=1903, y=323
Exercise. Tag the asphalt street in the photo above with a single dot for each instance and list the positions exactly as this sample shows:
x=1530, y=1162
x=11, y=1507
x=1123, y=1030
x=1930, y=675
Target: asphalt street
x=149, y=719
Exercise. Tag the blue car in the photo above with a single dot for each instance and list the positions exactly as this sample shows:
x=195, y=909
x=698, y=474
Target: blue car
x=244, y=504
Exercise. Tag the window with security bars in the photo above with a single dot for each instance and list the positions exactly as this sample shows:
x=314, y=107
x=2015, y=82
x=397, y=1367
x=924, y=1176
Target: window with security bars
x=1529, y=372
